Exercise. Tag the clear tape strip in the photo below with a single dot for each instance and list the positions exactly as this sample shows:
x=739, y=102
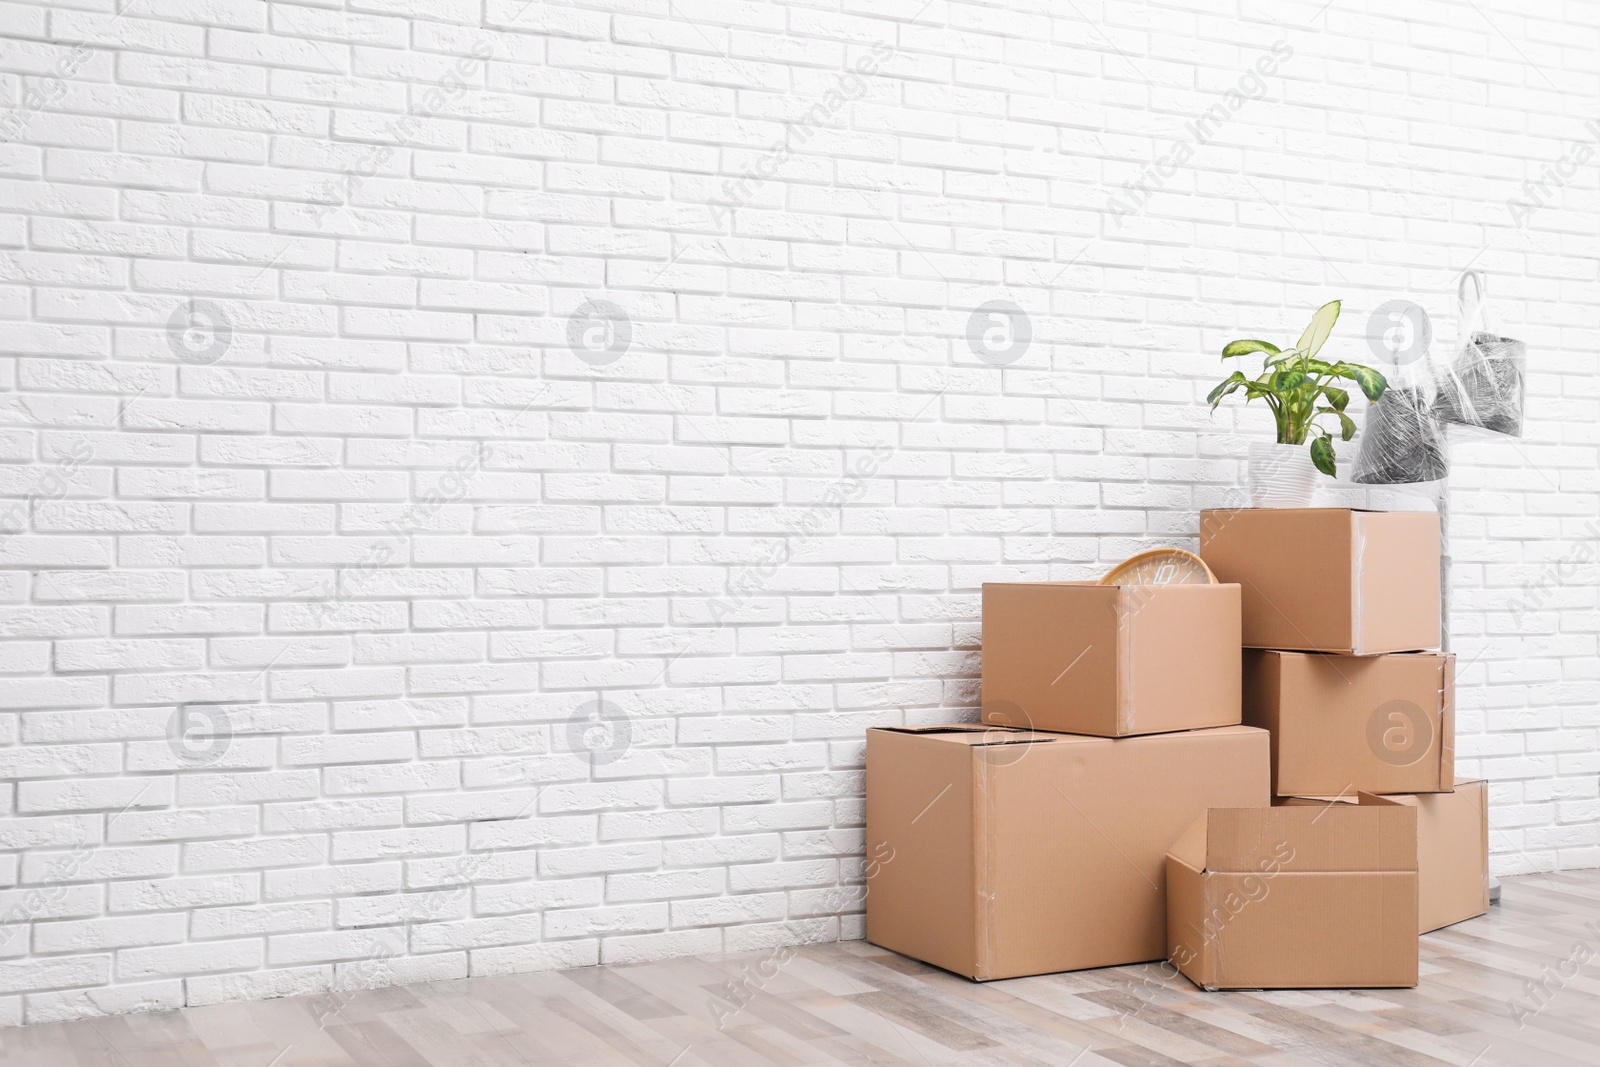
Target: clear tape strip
x=1127, y=698
x=1358, y=551
x=983, y=827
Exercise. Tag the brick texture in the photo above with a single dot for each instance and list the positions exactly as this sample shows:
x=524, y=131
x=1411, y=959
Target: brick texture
x=470, y=472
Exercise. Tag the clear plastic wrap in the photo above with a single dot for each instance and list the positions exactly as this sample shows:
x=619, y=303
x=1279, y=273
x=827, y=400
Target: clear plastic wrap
x=1403, y=441
x=1483, y=386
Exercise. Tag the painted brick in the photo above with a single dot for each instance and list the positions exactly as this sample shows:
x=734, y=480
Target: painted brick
x=323, y=514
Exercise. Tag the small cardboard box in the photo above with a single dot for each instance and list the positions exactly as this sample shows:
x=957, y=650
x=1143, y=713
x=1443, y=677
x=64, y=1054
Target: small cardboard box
x=1329, y=579
x=1110, y=660
x=1347, y=724
x=999, y=853
x=1318, y=897
x=1452, y=852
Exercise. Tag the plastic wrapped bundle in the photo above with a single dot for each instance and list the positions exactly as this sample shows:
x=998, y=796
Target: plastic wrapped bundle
x=1484, y=387
x=1402, y=442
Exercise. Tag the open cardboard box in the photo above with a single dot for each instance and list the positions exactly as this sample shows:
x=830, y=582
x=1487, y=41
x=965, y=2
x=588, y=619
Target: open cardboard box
x=1113, y=661
x=1000, y=853
x=1345, y=724
x=1329, y=579
x=1321, y=897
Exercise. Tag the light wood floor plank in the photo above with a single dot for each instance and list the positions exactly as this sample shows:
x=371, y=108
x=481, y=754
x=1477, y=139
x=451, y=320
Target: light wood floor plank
x=856, y=1004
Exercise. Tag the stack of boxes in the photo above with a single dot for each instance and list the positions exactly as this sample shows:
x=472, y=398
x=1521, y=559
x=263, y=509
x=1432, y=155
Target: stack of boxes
x=1251, y=778
x=1036, y=841
x=1341, y=666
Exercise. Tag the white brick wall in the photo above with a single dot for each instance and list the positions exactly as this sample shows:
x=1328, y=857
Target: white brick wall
x=393, y=531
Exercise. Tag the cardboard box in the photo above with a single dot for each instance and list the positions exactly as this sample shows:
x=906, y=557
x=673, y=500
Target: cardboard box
x=1113, y=661
x=1318, y=897
x=1329, y=579
x=1347, y=724
x=1452, y=852
x=999, y=853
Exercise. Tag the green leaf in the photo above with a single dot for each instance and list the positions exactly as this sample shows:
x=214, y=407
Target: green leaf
x=1244, y=348
x=1337, y=397
x=1322, y=456
x=1226, y=386
x=1283, y=357
x=1321, y=326
x=1347, y=425
x=1371, y=382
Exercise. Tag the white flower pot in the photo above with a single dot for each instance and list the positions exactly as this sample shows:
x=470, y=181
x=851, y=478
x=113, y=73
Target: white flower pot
x=1281, y=476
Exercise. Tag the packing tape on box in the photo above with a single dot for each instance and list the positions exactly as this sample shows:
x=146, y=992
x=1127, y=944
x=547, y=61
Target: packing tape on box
x=984, y=864
x=1447, y=718
x=1219, y=963
x=1125, y=658
x=1359, y=543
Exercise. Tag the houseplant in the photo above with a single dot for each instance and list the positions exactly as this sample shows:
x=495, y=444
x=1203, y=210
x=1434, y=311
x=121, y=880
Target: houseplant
x=1307, y=404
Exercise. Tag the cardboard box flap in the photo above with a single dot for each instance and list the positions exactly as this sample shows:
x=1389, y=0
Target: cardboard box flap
x=975, y=735
x=1362, y=511
x=949, y=728
x=978, y=735
x=1336, y=837
x=1370, y=799
x=1190, y=848
x=1095, y=585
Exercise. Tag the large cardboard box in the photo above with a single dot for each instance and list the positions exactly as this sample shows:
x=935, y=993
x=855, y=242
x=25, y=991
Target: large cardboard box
x=998, y=853
x=1329, y=579
x=1295, y=898
x=1113, y=661
x=1452, y=852
x=1346, y=724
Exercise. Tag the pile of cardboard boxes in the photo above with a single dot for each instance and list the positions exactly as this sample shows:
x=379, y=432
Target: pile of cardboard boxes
x=1253, y=779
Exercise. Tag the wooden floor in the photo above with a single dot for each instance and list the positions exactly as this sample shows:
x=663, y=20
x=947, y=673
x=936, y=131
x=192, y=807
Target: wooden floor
x=853, y=1003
